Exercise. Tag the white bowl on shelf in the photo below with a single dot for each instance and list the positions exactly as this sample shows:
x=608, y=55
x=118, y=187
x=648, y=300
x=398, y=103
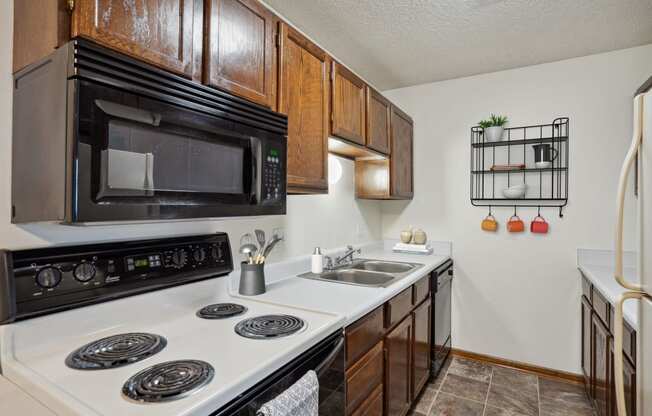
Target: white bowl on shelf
x=515, y=191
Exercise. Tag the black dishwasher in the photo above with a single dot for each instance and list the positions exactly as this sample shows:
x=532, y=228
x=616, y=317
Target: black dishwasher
x=442, y=285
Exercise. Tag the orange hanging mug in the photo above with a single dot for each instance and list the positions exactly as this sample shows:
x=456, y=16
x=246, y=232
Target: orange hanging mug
x=489, y=223
x=515, y=225
x=539, y=225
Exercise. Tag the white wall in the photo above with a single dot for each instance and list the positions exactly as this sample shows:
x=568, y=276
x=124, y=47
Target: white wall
x=331, y=220
x=517, y=296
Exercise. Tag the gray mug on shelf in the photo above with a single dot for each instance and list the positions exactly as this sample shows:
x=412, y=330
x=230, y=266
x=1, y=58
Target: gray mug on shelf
x=252, y=279
x=544, y=154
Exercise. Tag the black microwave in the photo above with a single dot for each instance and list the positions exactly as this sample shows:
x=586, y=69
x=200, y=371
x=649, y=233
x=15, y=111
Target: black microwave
x=101, y=137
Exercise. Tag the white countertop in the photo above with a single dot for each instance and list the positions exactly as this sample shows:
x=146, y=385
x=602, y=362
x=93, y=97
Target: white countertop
x=14, y=401
x=598, y=267
x=350, y=301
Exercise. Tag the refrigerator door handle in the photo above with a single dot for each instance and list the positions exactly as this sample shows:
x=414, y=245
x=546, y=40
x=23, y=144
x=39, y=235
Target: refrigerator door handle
x=632, y=153
x=618, y=348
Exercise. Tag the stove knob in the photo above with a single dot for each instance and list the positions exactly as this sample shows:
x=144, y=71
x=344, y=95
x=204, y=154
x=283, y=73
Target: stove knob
x=48, y=277
x=199, y=255
x=84, y=272
x=216, y=253
x=179, y=258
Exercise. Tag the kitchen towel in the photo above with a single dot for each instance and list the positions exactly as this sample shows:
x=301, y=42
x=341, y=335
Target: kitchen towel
x=301, y=399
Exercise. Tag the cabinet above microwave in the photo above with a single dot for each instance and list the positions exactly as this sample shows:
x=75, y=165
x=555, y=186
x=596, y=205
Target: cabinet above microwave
x=101, y=137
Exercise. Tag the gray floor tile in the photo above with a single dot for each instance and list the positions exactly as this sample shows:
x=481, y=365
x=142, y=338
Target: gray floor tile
x=466, y=388
x=447, y=405
x=520, y=399
x=425, y=400
x=563, y=399
x=470, y=369
x=494, y=411
x=511, y=377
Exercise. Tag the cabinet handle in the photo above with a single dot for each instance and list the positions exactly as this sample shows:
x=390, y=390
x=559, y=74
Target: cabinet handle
x=70, y=6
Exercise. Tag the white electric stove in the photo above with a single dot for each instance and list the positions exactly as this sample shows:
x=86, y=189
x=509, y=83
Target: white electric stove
x=187, y=349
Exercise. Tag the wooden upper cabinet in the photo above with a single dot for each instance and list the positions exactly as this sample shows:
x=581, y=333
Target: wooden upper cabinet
x=304, y=97
x=378, y=116
x=401, y=160
x=348, y=116
x=166, y=33
x=240, y=48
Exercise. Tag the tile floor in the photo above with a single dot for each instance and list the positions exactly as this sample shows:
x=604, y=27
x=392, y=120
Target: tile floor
x=472, y=388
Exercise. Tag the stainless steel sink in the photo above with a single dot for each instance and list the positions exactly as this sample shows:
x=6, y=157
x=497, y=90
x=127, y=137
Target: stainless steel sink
x=364, y=272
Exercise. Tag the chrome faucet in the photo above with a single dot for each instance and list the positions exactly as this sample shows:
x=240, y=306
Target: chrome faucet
x=346, y=258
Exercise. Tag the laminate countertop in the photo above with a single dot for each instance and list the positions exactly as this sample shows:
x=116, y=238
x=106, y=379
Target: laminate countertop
x=351, y=301
x=598, y=267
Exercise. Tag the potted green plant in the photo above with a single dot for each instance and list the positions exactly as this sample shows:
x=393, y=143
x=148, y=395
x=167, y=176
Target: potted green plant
x=493, y=127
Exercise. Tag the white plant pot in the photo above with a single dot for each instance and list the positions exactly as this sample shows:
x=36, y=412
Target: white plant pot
x=494, y=134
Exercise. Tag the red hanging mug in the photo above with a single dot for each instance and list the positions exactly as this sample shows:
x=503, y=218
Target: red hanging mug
x=539, y=225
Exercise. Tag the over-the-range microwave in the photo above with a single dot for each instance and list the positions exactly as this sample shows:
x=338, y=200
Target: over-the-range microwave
x=101, y=137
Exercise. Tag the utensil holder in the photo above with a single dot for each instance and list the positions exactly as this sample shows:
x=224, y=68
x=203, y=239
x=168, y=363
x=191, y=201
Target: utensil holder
x=252, y=279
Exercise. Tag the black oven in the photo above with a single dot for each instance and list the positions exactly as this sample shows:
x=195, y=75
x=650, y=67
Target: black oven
x=135, y=143
x=326, y=359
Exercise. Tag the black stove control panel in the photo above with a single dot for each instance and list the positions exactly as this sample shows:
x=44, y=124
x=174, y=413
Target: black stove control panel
x=51, y=279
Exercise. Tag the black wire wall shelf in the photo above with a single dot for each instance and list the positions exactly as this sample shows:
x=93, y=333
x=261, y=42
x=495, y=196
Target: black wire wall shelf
x=547, y=186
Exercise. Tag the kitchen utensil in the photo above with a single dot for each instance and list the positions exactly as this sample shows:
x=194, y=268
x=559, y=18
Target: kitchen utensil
x=406, y=236
x=260, y=236
x=252, y=279
x=544, y=154
x=515, y=191
x=539, y=225
x=489, y=223
x=250, y=251
x=268, y=249
x=515, y=224
x=419, y=237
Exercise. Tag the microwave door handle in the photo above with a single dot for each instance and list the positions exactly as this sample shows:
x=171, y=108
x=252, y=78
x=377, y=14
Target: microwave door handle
x=331, y=357
x=618, y=348
x=256, y=169
x=129, y=113
x=631, y=156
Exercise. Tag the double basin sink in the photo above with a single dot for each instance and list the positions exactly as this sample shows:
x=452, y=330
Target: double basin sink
x=365, y=272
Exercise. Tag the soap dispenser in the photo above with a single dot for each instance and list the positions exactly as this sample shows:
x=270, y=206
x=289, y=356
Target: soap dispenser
x=317, y=261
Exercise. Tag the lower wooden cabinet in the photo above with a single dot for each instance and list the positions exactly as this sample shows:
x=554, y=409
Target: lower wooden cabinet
x=398, y=368
x=598, y=355
x=421, y=347
x=629, y=378
x=373, y=406
x=600, y=374
x=363, y=377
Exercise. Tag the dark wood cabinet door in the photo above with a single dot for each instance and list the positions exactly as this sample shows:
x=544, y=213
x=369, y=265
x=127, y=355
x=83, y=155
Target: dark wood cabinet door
x=421, y=347
x=629, y=378
x=373, y=406
x=401, y=159
x=587, y=346
x=600, y=373
x=166, y=33
x=240, y=49
x=348, y=106
x=378, y=116
x=398, y=364
x=304, y=96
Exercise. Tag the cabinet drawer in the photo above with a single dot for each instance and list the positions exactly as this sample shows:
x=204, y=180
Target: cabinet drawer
x=373, y=406
x=421, y=290
x=363, y=377
x=629, y=338
x=363, y=334
x=601, y=307
x=586, y=288
x=398, y=307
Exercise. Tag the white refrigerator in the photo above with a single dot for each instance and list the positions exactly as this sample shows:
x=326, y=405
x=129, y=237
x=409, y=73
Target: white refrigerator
x=640, y=155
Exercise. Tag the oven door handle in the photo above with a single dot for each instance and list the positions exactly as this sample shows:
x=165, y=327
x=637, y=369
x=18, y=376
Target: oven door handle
x=129, y=113
x=331, y=357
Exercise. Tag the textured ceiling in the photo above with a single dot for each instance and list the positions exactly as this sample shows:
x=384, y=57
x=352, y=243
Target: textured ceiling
x=396, y=43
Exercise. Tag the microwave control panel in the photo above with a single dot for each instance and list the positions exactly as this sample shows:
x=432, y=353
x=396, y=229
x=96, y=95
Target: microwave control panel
x=64, y=276
x=273, y=176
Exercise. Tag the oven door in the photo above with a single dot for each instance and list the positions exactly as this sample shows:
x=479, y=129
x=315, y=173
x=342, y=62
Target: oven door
x=326, y=359
x=143, y=159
